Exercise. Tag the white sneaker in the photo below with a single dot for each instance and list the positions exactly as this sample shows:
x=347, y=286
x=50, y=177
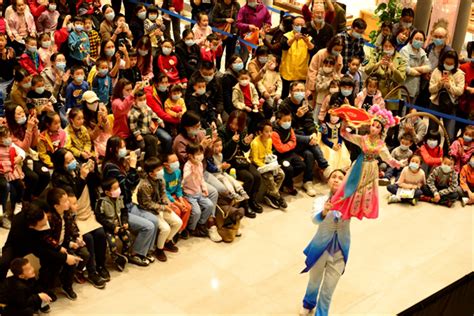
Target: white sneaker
x=214, y=235
x=394, y=199
x=327, y=172
x=308, y=187
x=18, y=208
x=305, y=312
x=464, y=201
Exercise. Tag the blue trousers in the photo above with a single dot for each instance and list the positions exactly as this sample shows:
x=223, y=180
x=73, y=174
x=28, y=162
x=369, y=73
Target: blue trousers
x=145, y=225
x=202, y=209
x=319, y=294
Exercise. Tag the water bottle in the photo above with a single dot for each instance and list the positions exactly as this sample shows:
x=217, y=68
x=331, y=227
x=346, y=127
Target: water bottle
x=233, y=173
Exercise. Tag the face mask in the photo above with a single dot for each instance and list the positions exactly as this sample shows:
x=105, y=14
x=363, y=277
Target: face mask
x=32, y=49
x=162, y=87
x=467, y=139
x=356, y=35
x=299, y=96
x=61, y=66
x=26, y=85
x=417, y=44
x=110, y=16
x=141, y=104
x=79, y=79
x=141, y=15
x=93, y=106
x=189, y=42
x=335, y=53
x=122, y=152
x=46, y=44
x=152, y=17
x=404, y=147
x=406, y=25
x=414, y=166
x=237, y=67
x=51, y=7
x=333, y=90
x=79, y=28
x=346, y=92
x=199, y=157
x=327, y=69
x=262, y=60
x=438, y=41
x=193, y=132
x=471, y=163
x=200, y=91
x=166, y=51
x=252, y=4
x=432, y=143
x=109, y=52
x=174, y=166
x=39, y=90
x=7, y=142
x=103, y=72
x=334, y=119
x=176, y=97
x=142, y=53
x=446, y=169
x=244, y=83
x=389, y=52
x=208, y=78
x=297, y=28
x=318, y=20
x=21, y=120
x=72, y=165
x=286, y=125
x=116, y=193
x=448, y=67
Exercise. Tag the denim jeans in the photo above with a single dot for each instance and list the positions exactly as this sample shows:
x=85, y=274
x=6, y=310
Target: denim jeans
x=145, y=225
x=331, y=267
x=165, y=139
x=202, y=209
x=310, y=153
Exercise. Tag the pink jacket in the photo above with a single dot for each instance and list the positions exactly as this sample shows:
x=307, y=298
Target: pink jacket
x=461, y=153
x=193, y=179
x=378, y=99
x=120, y=109
x=316, y=63
x=14, y=24
x=200, y=34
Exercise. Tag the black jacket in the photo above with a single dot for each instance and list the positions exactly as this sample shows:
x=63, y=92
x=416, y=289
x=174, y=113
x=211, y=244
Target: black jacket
x=229, y=146
x=65, y=180
x=128, y=180
x=229, y=80
x=301, y=125
x=320, y=38
x=202, y=104
x=191, y=60
x=213, y=89
x=21, y=296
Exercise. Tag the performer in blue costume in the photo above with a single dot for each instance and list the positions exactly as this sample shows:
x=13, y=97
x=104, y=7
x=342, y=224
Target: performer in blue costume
x=326, y=254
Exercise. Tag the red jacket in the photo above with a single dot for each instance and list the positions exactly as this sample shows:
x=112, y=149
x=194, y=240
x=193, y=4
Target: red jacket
x=35, y=8
x=170, y=67
x=281, y=147
x=154, y=102
x=432, y=157
x=466, y=102
x=27, y=63
x=60, y=37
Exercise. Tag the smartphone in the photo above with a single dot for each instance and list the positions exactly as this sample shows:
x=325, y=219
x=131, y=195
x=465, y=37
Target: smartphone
x=209, y=131
x=121, y=41
x=445, y=73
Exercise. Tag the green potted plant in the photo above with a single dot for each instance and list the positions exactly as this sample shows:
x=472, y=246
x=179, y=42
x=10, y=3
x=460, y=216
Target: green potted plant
x=390, y=10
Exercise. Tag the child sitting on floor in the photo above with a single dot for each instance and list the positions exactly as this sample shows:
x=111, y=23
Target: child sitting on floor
x=462, y=148
x=408, y=186
x=400, y=153
x=466, y=179
x=442, y=184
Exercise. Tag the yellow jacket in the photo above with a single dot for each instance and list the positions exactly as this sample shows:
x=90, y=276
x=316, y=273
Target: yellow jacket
x=258, y=151
x=295, y=60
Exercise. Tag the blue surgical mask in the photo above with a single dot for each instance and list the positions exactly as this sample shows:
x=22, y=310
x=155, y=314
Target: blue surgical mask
x=297, y=28
x=162, y=87
x=103, y=72
x=237, y=67
x=32, y=49
x=189, y=42
x=208, y=78
x=446, y=169
x=417, y=44
x=122, y=152
x=404, y=147
x=356, y=34
x=72, y=165
x=174, y=166
x=286, y=125
x=161, y=174
x=201, y=91
x=335, y=53
x=448, y=67
x=432, y=143
x=414, y=166
x=61, y=66
x=318, y=20
x=142, y=52
x=79, y=28
x=39, y=90
x=79, y=79
x=166, y=51
x=438, y=41
x=141, y=15
x=109, y=52
x=193, y=132
x=153, y=17
x=299, y=96
x=346, y=92
x=52, y=7
x=467, y=139
x=389, y=52
x=7, y=142
x=262, y=60
x=252, y=4
x=21, y=120
x=176, y=97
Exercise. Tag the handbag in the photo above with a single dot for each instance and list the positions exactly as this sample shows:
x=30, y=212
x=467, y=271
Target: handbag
x=238, y=159
x=226, y=27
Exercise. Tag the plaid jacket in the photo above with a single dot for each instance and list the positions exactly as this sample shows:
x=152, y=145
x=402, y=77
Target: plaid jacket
x=442, y=183
x=352, y=47
x=139, y=120
x=94, y=41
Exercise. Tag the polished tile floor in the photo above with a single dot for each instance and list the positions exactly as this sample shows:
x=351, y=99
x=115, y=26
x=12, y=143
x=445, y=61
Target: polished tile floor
x=395, y=261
